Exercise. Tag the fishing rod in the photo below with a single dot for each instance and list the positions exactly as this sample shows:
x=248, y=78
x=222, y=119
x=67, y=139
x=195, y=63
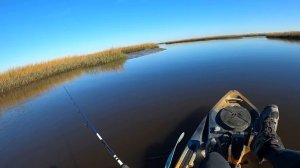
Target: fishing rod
x=169, y=160
x=91, y=126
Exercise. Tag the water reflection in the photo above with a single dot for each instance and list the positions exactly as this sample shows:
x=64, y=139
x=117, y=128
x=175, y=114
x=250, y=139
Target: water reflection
x=295, y=41
x=157, y=154
x=24, y=93
x=142, y=110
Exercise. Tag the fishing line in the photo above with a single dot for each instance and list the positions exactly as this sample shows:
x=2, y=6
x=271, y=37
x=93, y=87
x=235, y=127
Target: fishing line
x=91, y=126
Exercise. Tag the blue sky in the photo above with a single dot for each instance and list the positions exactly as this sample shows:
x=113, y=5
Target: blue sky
x=37, y=30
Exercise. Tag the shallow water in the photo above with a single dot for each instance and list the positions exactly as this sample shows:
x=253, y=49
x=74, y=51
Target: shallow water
x=143, y=107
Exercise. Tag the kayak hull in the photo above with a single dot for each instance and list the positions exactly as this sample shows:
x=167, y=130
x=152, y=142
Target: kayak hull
x=232, y=122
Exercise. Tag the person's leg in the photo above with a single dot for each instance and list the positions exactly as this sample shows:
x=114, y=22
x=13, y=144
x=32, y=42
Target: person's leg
x=283, y=158
x=267, y=144
x=214, y=160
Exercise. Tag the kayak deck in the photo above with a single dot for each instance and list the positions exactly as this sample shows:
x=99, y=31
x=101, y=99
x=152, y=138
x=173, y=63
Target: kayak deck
x=232, y=119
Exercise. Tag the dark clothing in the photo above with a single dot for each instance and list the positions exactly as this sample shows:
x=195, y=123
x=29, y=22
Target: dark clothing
x=214, y=160
x=283, y=158
x=279, y=158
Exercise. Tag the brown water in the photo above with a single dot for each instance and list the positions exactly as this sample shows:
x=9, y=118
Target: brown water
x=141, y=108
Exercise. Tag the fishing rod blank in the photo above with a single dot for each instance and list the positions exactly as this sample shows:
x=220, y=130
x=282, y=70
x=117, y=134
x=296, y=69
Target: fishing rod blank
x=169, y=160
x=93, y=129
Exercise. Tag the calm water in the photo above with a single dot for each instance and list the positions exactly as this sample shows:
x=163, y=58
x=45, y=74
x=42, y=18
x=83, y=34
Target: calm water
x=143, y=107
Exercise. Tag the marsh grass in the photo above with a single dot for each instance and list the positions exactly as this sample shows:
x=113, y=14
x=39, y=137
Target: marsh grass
x=293, y=35
x=213, y=38
x=140, y=47
x=23, y=76
x=21, y=94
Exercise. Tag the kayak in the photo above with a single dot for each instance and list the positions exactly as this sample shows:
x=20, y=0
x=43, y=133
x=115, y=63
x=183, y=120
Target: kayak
x=231, y=123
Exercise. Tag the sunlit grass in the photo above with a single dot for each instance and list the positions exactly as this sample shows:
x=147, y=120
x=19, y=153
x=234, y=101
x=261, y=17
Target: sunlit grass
x=26, y=75
x=140, y=47
x=19, y=95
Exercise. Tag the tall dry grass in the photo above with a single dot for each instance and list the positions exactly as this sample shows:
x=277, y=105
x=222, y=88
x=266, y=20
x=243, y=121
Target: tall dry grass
x=26, y=75
x=139, y=47
x=21, y=94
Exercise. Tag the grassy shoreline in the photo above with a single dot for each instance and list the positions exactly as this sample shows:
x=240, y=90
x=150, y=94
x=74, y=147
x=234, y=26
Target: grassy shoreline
x=285, y=35
x=26, y=75
x=294, y=35
x=19, y=95
x=223, y=37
